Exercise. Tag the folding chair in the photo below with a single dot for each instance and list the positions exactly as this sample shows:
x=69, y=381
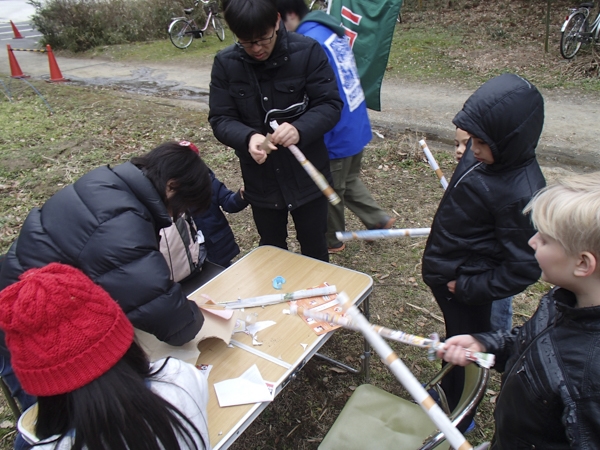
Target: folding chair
x=374, y=418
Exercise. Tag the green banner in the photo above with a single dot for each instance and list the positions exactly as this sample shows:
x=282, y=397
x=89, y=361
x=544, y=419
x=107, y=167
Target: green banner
x=370, y=26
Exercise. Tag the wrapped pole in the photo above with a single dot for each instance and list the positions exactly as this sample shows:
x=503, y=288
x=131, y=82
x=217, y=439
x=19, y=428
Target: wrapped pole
x=381, y=234
x=316, y=176
x=405, y=376
x=273, y=299
x=433, y=163
x=432, y=343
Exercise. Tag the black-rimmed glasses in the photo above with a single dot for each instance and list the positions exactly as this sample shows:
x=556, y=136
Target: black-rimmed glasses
x=260, y=42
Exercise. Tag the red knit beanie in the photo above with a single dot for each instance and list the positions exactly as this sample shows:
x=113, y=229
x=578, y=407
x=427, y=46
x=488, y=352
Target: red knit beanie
x=62, y=329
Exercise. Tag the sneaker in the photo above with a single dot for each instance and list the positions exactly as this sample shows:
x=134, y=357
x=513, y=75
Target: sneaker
x=386, y=224
x=338, y=248
x=471, y=427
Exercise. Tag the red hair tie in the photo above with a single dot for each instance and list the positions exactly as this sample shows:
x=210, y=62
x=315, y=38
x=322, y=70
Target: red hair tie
x=191, y=146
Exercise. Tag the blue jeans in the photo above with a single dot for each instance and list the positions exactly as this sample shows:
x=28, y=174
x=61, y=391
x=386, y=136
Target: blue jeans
x=501, y=317
x=23, y=398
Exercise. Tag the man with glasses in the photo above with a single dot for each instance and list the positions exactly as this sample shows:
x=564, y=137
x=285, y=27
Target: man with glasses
x=346, y=141
x=271, y=74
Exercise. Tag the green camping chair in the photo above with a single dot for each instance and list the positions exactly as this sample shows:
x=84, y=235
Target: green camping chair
x=374, y=418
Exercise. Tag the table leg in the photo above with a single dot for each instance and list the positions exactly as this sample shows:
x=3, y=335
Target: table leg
x=366, y=357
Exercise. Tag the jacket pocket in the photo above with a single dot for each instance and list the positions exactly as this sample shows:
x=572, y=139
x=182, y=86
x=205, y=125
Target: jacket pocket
x=246, y=101
x=289, y=91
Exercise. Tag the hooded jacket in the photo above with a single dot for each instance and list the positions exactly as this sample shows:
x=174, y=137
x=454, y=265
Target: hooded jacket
x=353, y=132
x=550, y=396
x=106, y=224
x=220, y=242
x=243, y=89
x=479, y=236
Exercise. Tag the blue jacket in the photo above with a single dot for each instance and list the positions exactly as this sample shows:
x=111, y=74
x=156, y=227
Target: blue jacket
x=220, y=243
x=353, y=131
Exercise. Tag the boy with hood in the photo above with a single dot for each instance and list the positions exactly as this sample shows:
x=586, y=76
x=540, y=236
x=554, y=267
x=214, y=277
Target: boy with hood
x=346, y=141
x=477, y=251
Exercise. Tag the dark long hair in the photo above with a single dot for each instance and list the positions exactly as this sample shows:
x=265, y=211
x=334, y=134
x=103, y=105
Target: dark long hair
x=116, y=411
x=171, y=161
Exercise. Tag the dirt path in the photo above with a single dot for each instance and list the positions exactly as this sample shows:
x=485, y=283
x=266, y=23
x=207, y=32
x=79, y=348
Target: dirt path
x=570, y=136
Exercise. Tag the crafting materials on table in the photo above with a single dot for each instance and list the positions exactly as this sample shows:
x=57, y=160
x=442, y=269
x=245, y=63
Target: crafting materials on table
x=272, y=299
x=432, y=343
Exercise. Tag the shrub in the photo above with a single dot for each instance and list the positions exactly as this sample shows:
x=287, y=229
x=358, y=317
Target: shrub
x=78, y=25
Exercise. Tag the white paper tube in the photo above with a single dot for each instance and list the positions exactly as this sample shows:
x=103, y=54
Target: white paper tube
x=482, y=359
x=405, y=376
x=381, y=234
x=433, y=163
x=272, y=299
x=312, y=172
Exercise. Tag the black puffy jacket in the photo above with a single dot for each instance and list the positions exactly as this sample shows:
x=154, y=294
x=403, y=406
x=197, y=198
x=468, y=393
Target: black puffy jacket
x=106, y=224
x=242, y=90
x=550, y=396
x=479, y=234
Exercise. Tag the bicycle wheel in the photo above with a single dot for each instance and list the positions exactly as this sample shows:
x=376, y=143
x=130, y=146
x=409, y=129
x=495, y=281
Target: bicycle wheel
x=570, y=39
x=219, y=28
x=316, y=5
x=181, y=33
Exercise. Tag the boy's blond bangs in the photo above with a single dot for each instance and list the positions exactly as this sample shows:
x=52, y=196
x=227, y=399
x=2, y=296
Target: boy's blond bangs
x=569, y=211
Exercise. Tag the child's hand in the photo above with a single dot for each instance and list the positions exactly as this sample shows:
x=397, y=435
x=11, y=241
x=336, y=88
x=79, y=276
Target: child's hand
x=254, y=147
x=452, y=286
x=285, y=135
x=242, y=193
x=456, y=349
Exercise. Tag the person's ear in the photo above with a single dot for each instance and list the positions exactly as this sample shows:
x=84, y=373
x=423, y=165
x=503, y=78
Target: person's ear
x=277, y=24
x=171, y=188
x=586, y=264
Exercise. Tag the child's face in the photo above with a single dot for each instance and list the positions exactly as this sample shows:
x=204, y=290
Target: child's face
x=482, y=151
x=554, y=261
x=461, y=137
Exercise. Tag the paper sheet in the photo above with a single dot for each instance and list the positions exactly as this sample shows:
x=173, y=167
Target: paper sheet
x=248, y=388
x=214, y=326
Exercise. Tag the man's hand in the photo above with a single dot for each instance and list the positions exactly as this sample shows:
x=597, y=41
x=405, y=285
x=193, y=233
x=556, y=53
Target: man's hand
x=452, y=286
x=456, y=348
x=259, y=155
x=285, y=135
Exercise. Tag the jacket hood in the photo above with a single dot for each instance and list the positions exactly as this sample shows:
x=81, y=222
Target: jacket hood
x=507, y=113
x=324, y=19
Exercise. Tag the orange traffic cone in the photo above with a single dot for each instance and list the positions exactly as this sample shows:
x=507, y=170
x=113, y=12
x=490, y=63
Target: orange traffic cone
x=15, y=70
x=55, y=74
x=15, y=31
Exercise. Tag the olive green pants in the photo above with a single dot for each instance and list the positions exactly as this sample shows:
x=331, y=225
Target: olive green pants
x=353, y=194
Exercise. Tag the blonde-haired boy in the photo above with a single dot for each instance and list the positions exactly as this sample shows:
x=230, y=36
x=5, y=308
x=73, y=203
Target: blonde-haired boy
x=550, y=396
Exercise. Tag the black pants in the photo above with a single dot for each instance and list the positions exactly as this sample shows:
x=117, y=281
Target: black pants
x=310, y=221
x=460, y=319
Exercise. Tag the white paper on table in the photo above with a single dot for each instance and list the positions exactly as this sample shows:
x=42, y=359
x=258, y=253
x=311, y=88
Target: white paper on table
x=250, y=387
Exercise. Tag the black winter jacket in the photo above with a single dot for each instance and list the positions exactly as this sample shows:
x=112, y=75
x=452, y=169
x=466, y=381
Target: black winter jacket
x=106, y=224
x=242, y=90
x=479, y=234
x=220, y=242
x=550, y=395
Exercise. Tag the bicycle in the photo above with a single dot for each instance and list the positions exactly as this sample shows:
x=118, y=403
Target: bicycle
x=182, y=30
x=577, y=30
